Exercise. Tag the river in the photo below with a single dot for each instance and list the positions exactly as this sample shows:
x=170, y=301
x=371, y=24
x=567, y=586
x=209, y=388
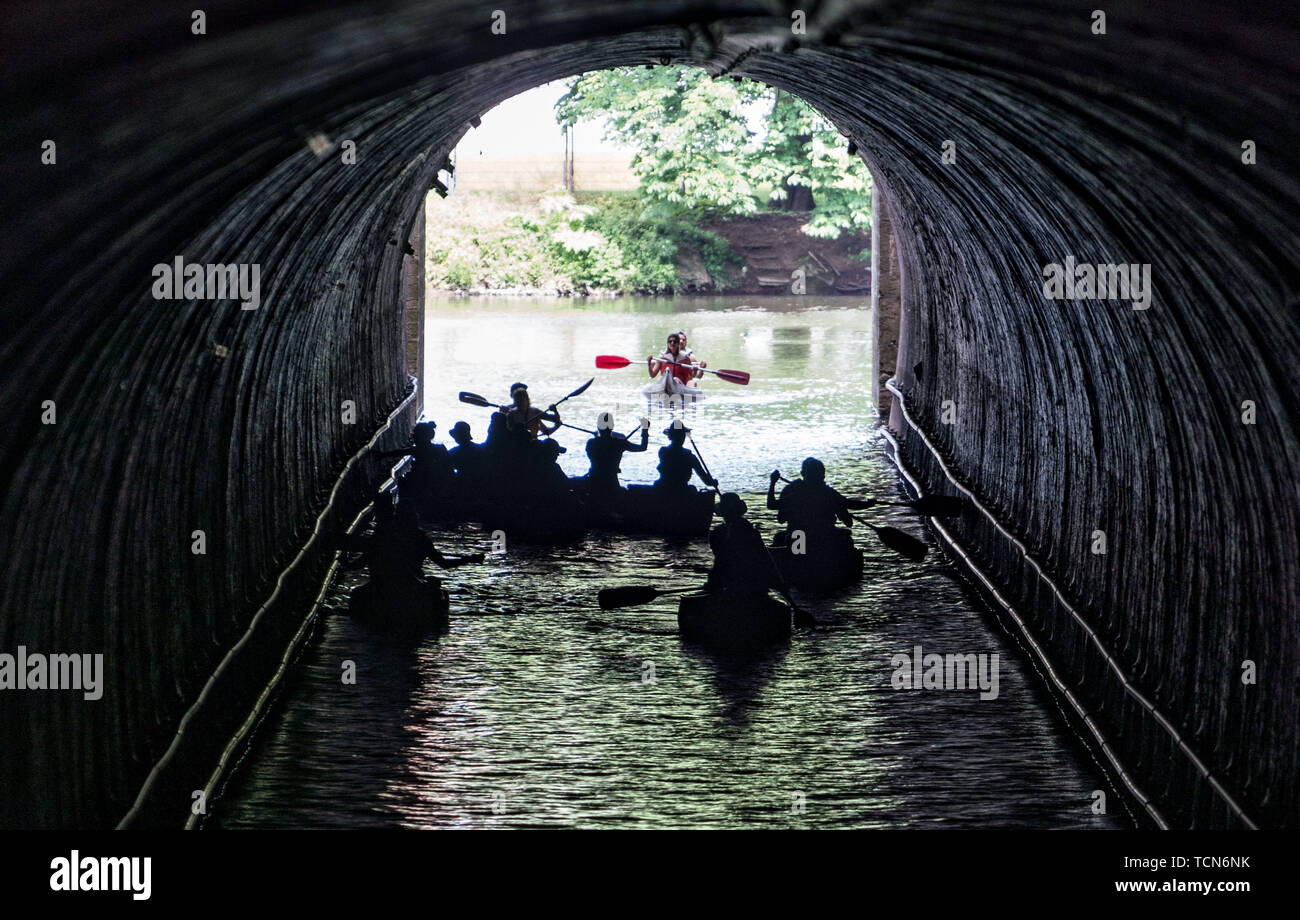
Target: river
x=538, y=710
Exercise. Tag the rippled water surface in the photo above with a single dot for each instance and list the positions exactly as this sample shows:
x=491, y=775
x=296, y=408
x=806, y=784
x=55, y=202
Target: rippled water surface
x=539, y=710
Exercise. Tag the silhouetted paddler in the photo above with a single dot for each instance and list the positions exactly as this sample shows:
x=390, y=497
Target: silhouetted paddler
x=741, y=562
x=395, y=551
x=605, y=451
x=467, y=459
x=544, y=474
x=809, y=504
x=676, y=463
x=526, y=420
x=429, y=479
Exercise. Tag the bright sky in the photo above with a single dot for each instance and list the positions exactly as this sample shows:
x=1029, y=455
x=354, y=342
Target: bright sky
x=526, y=124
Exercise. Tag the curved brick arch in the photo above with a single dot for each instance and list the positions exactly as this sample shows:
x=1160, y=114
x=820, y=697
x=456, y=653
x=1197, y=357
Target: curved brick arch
x=1071, y=417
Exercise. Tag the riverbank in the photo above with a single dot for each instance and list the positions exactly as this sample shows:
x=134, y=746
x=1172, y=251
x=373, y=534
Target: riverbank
x=601, y=244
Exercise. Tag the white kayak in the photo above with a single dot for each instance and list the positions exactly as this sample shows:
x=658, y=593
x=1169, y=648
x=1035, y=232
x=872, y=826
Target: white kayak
x=668, y=386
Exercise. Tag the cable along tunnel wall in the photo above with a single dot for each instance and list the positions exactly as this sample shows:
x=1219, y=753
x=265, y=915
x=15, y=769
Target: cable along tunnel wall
x=1065, y=417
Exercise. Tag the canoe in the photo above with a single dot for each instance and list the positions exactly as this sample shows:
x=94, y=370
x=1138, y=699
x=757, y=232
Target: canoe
x=668, y=388
x=729, y=623
x=648, y=510
x=634, y=510
x=538, y=518
x=833, y=565
x=414, y=606
x=563, y=520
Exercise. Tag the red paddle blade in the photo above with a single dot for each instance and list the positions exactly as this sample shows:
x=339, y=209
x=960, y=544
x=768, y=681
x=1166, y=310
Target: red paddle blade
x=611, y=362
x=734, y=376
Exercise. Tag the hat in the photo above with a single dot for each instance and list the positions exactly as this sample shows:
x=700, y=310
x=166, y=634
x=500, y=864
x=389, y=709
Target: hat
x=605, y=421
x=459, y=428
x=677, y=425
x=517, y=386
x=731, y=502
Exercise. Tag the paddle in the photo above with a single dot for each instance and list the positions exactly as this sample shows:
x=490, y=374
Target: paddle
x=578, y=392
x=801, y=616
x=614, y=362
x=475, y=400
x=900, y=542
x=483, y=402
x=927, y=506
x=594, y=434
x=635, y=595
x=456, y=561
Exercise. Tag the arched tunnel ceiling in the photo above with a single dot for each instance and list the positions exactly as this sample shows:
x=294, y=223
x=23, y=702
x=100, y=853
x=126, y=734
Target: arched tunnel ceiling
x=1071, y=416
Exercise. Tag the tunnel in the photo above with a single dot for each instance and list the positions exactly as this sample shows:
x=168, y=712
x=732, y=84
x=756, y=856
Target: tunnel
x=1129, y=467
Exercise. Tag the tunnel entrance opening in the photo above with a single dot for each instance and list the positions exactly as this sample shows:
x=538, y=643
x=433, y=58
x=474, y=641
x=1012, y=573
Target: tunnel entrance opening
x=630, y=184
x=1138, y=146
x=661, y=181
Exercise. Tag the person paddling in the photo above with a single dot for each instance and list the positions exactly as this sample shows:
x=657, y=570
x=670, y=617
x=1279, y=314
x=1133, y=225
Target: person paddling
x=809, y=505
x=526, y=421
x=399, y=595
x=674, y=363
x=422, y=448
x=677, y=464
x=544, y=475
x=742, y=566
x=394, y=553
x=606, y=450
x=690, y=355
x=467, y=458
x=428, y=481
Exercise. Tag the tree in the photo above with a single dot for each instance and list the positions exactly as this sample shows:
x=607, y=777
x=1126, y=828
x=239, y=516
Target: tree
x=687, y=132
x=809, y=166
x=694, y=147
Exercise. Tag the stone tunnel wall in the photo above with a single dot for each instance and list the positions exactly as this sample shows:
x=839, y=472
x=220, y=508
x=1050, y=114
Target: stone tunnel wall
x=1067, y=417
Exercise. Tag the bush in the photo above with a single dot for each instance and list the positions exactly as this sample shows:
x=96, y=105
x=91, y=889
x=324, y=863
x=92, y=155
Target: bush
x=607, y=243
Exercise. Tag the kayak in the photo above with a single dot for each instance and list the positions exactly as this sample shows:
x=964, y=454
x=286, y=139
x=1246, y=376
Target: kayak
x=829, y=567
x=650, y=510
x=730, y=623
x=562, y=520
x=667, y=386
x=414, y=606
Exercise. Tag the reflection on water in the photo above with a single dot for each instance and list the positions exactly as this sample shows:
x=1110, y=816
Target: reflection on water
x=539, y=710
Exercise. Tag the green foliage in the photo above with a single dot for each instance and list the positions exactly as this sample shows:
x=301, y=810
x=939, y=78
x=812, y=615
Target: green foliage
x=803, y=149
x=694, y=149
x=687, y=132
x=606, y=243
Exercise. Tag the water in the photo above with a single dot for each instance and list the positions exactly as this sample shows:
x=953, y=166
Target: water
x=539, y=710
